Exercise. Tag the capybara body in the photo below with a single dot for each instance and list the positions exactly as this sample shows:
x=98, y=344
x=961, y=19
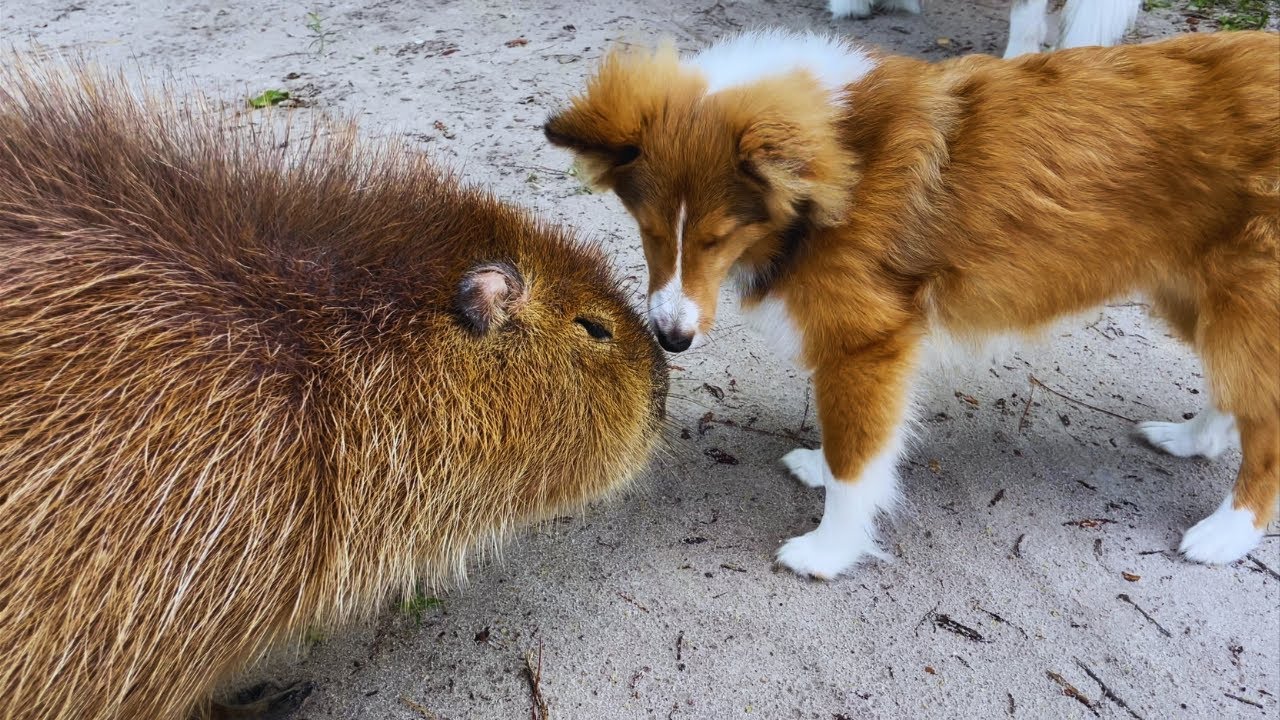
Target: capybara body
x=252, y=385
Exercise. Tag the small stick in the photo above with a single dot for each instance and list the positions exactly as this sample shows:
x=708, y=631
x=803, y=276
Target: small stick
x=1017, y=546
x=632, y=600
x=533, y=673
x=1000, y=619
x=1163, y=630
x=1263, y=567
x=1036, y=382
x=1070, y=691
x=425, y=713
x=1246, y=701
x=1106, y=691
x=786, y=434
x=1022, y=422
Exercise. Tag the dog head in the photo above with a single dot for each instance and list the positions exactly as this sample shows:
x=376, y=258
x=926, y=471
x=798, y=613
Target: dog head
x=713, y=173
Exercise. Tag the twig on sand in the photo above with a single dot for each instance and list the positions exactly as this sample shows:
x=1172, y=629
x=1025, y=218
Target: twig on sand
x=1022, y=421
x=1070, y=691
x=1163, y=630
x=418, y=708
x=1000, y=619
x=1106, y=691
x=1017, y=545
x=785, y=433
x=533, y=674
x=945, y=622
x=1246, y=701
x=632, y=600
x=1262, y=567
x=1035, y=382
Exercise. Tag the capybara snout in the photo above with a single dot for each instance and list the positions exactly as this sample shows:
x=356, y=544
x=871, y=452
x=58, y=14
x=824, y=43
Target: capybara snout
x=254, y=384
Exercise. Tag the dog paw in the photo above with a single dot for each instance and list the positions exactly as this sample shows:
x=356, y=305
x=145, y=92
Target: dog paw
x=1170, y=437
x=807, y=466
x=823, y=557
x=1224, y=537
x=1208, y=438
x=850, y=8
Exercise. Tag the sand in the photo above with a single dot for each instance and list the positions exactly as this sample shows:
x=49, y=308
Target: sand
x=999, y=601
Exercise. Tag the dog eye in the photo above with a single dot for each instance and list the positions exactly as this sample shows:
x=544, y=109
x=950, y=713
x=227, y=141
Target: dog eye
x=594, y=329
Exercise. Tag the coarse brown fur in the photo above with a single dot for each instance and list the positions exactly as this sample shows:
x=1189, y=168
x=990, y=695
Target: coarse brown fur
x=254, y=385
x=969, y=197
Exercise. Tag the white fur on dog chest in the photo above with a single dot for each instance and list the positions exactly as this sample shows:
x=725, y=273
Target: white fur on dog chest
x=771, y=319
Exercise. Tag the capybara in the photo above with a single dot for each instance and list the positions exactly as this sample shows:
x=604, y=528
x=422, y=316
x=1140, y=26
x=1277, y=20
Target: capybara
x=254, y=383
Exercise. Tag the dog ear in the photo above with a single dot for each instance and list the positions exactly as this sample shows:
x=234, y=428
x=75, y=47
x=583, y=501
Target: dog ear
x=489, y=294
x=788, y=142
x=603, y=126
x=775, y=152
x=599, y=152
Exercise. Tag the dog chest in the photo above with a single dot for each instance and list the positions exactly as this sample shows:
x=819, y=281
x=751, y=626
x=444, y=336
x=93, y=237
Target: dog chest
x=771, y=319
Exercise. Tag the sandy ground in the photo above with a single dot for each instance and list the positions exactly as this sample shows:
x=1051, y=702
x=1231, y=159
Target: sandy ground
x=1034, y=574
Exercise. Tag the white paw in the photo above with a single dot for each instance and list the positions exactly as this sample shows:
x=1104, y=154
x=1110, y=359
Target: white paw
x=1170, y=437
x=849, y=8
x=1209, y=435
x=825, y=556
x=807, y=466
x=1224, y=537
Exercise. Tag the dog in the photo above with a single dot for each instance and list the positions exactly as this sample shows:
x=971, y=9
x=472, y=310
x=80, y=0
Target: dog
x=863, y=203
x=1082, y=22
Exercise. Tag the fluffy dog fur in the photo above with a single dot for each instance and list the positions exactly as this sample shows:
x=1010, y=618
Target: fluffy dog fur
x=864, y=202
x=252, y=387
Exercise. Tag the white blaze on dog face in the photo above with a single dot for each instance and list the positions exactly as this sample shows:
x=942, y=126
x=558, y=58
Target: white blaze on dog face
x=673, y=314
x=689, y=250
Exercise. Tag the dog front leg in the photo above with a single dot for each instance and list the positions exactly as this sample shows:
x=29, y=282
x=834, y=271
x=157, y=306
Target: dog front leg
x=863, y=410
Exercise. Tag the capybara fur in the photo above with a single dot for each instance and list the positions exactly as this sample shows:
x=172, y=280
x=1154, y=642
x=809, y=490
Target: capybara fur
x=254, y=383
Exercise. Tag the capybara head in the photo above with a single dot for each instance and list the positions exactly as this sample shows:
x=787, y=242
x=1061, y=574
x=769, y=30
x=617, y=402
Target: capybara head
x=255, y=382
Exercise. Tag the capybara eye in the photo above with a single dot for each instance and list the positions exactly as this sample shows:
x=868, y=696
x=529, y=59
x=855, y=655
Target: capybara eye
x=594, y=329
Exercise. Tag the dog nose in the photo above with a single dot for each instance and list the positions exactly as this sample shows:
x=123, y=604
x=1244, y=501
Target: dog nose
x=673, y=341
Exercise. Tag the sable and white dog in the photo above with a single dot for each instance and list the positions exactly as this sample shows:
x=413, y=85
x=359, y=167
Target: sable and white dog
x=1082, y=22
x=862, y=203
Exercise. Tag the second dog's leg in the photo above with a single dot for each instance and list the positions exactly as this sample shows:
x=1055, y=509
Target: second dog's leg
x=1096, y=22
x=862, y=408
x=849, y=8
x=1027, y=27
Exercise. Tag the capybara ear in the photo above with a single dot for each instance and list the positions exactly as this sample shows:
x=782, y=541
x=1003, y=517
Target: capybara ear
x=488, y=295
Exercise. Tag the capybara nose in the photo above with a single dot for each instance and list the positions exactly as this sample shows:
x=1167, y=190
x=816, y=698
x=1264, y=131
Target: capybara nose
x=674, y=340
